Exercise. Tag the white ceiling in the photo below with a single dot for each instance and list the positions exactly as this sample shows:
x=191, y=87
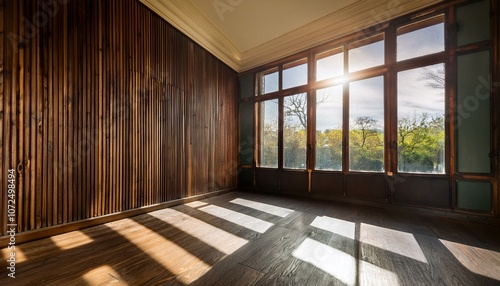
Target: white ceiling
x=251, y=23
x=248, y=33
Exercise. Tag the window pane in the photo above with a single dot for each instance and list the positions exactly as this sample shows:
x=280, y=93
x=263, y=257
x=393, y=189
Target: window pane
x=269, y=82
x=329, y=128
x=425, y=41
x=367, y=56
x=330, y=66
x=473, y=113
x=295, y=76
x=366, y=125
x=474, y=22
x=269, y=134
x=295, y=131
x=421, y=120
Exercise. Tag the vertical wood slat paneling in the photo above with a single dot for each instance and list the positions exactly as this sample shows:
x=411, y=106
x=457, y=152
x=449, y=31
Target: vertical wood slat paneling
x=8, y=110
x=38, y=97
x=20, y=94
x=50, y=106
x=3, y=112
x=106, y=107
x=30, y=133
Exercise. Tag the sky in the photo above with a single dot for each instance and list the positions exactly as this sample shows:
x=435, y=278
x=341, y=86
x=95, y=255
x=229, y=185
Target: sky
x=416, y=97
x=367, y=99
x=329, y=110
x=368, y=56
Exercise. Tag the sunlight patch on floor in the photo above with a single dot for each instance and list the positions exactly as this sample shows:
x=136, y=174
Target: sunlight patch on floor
x=243, y=220
x=398, y=242
x=338, y=226
x=465, y=254
x=78, y=239
x=196, y=204
x=219, y=239
x=332, y=261
x=103, y=275
x=18, y=254
x=186, y=266
x=270, y=209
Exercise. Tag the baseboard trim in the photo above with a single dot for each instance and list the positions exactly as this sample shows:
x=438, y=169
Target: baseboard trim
x=32, y=235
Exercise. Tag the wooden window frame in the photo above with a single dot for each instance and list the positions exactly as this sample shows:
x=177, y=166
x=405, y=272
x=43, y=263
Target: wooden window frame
x=443, y=12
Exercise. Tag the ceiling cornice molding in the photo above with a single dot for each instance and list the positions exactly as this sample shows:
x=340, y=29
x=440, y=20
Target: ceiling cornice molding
x=186, y=17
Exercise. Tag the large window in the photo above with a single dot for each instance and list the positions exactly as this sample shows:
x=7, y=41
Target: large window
x=283, y=120
x=421, y=99
x=340, y=118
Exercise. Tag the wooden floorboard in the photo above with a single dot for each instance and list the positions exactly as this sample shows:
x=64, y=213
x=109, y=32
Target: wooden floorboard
x=244, y=238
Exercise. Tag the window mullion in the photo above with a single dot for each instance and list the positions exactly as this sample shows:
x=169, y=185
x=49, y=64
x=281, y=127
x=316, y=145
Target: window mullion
x=311, y=115
x=391, y=115
x=450, y=95
x=281, y=115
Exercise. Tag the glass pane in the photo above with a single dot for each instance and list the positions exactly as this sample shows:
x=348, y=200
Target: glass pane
x=473, y=23
x=269, y=82
x=247, y=86
x=295, y=76
x=269, y=134
x=366, y=125
x=473, y=113
x=420, y=42
x=330, y=66
x=421, y=129
x=295, y=131
x=329, y=128
x=367, y=56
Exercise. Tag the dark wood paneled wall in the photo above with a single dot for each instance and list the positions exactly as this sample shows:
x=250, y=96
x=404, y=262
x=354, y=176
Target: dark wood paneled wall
x=105, y=107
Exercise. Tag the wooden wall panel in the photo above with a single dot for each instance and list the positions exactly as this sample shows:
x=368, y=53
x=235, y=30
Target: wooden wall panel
x=105, y=107
x=425, y=191
x=294, y=181
x=330, y=183
x=3, y=112
x=367, y=186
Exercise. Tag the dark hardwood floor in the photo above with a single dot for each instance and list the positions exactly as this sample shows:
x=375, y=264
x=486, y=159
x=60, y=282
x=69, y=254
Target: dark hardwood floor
x=254, y=239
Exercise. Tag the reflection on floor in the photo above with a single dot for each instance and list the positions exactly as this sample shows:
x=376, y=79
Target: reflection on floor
x=254, y=239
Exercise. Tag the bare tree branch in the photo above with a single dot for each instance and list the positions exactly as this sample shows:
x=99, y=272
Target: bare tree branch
x=435, y=78
x=296, y=105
